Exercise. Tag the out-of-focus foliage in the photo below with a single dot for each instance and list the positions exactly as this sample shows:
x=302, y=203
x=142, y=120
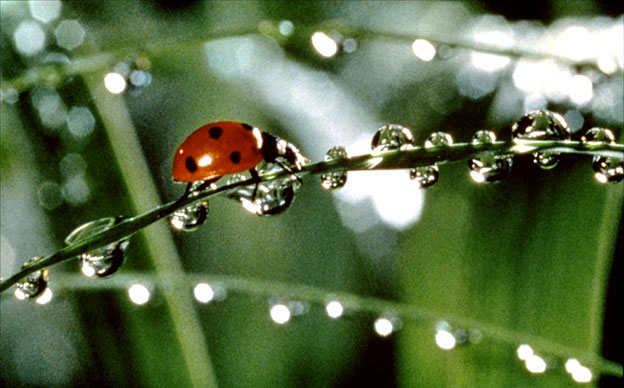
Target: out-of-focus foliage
x=531, y=254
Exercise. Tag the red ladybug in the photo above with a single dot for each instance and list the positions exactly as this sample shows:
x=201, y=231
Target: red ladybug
x=229, y=147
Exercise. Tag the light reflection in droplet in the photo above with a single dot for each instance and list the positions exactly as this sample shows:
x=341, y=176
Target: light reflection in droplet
x=334, y=309
x=46, y=297
x=324, y=45
x=535, y=364
x=138, y=294
x=115, y=83
x=45, y=11
x=423, y=49
x=280, y=313
x=29, y=38
x=384, y=327
x=69, y=34
x=203, y=292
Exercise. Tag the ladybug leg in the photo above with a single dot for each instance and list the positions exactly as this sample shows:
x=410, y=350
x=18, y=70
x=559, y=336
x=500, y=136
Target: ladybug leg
x=290, y=170
x=256, y=178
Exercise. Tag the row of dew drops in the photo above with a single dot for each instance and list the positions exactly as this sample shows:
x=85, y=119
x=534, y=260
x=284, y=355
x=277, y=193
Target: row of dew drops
x=275, y=196
x=447, y=337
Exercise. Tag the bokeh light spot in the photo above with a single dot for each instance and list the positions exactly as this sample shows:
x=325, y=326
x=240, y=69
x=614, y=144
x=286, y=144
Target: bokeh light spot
x=115, y=83
x=423, y=49
x=203, y=292
x=384, y=327
x=69, y=34
x=334, y=309
x=138, y=294
x=29, y=38
x=45, y=11
x=324, y=45
x=280, y=314
x=80, y=121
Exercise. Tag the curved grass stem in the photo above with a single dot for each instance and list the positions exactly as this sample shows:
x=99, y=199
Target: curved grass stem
x=405, y=159
x=351, y=302
x=57, y=73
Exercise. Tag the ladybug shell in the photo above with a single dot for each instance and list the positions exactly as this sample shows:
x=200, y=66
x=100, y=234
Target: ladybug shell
x=217, y=149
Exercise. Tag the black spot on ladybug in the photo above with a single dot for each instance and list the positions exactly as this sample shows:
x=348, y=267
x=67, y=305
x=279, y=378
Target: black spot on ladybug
x=235, y=157
x=190, y=164
x=247, y=126
x=215, y=132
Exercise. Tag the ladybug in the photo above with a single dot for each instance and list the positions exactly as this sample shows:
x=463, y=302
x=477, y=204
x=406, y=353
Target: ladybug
x=229, y=147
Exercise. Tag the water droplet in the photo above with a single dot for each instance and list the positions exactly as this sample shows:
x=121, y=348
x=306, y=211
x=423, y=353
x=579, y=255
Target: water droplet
x=271, y=197
x=338, y=178
x=190, y=218
x=32, y=285
x=392, y=137
x=541, y=125
x=488, y=167
x=275, y=196
x=606, y=169
x=104, y=261
x=438, y=139
x=426, y=176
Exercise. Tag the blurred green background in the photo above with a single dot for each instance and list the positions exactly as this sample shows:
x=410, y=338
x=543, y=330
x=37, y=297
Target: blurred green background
x=527, y=260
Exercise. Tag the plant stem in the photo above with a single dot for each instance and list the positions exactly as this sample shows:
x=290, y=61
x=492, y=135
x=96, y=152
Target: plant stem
x=395, y=159
x=350, y=302
x=56, y=73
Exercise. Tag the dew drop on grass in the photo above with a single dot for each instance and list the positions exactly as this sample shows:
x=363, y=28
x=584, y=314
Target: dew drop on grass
x=338, y=178
x=104, y=261
x=427, y=176
x=34, y=284
x=438, y=139
x=392, y=137
x=488, y=167
x=275, y=196
x=190, y=218
x=606, y=169
x=541, y=125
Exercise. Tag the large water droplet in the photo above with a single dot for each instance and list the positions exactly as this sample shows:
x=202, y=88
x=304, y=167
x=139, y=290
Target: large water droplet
x=338, y=178
x=275, y=196
x=392, y=137
x=34, y=284
x=190, y=218
x=488, y=167
x=104, y=261
x=271, y=197
x=541, y=125
x=606, y=169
